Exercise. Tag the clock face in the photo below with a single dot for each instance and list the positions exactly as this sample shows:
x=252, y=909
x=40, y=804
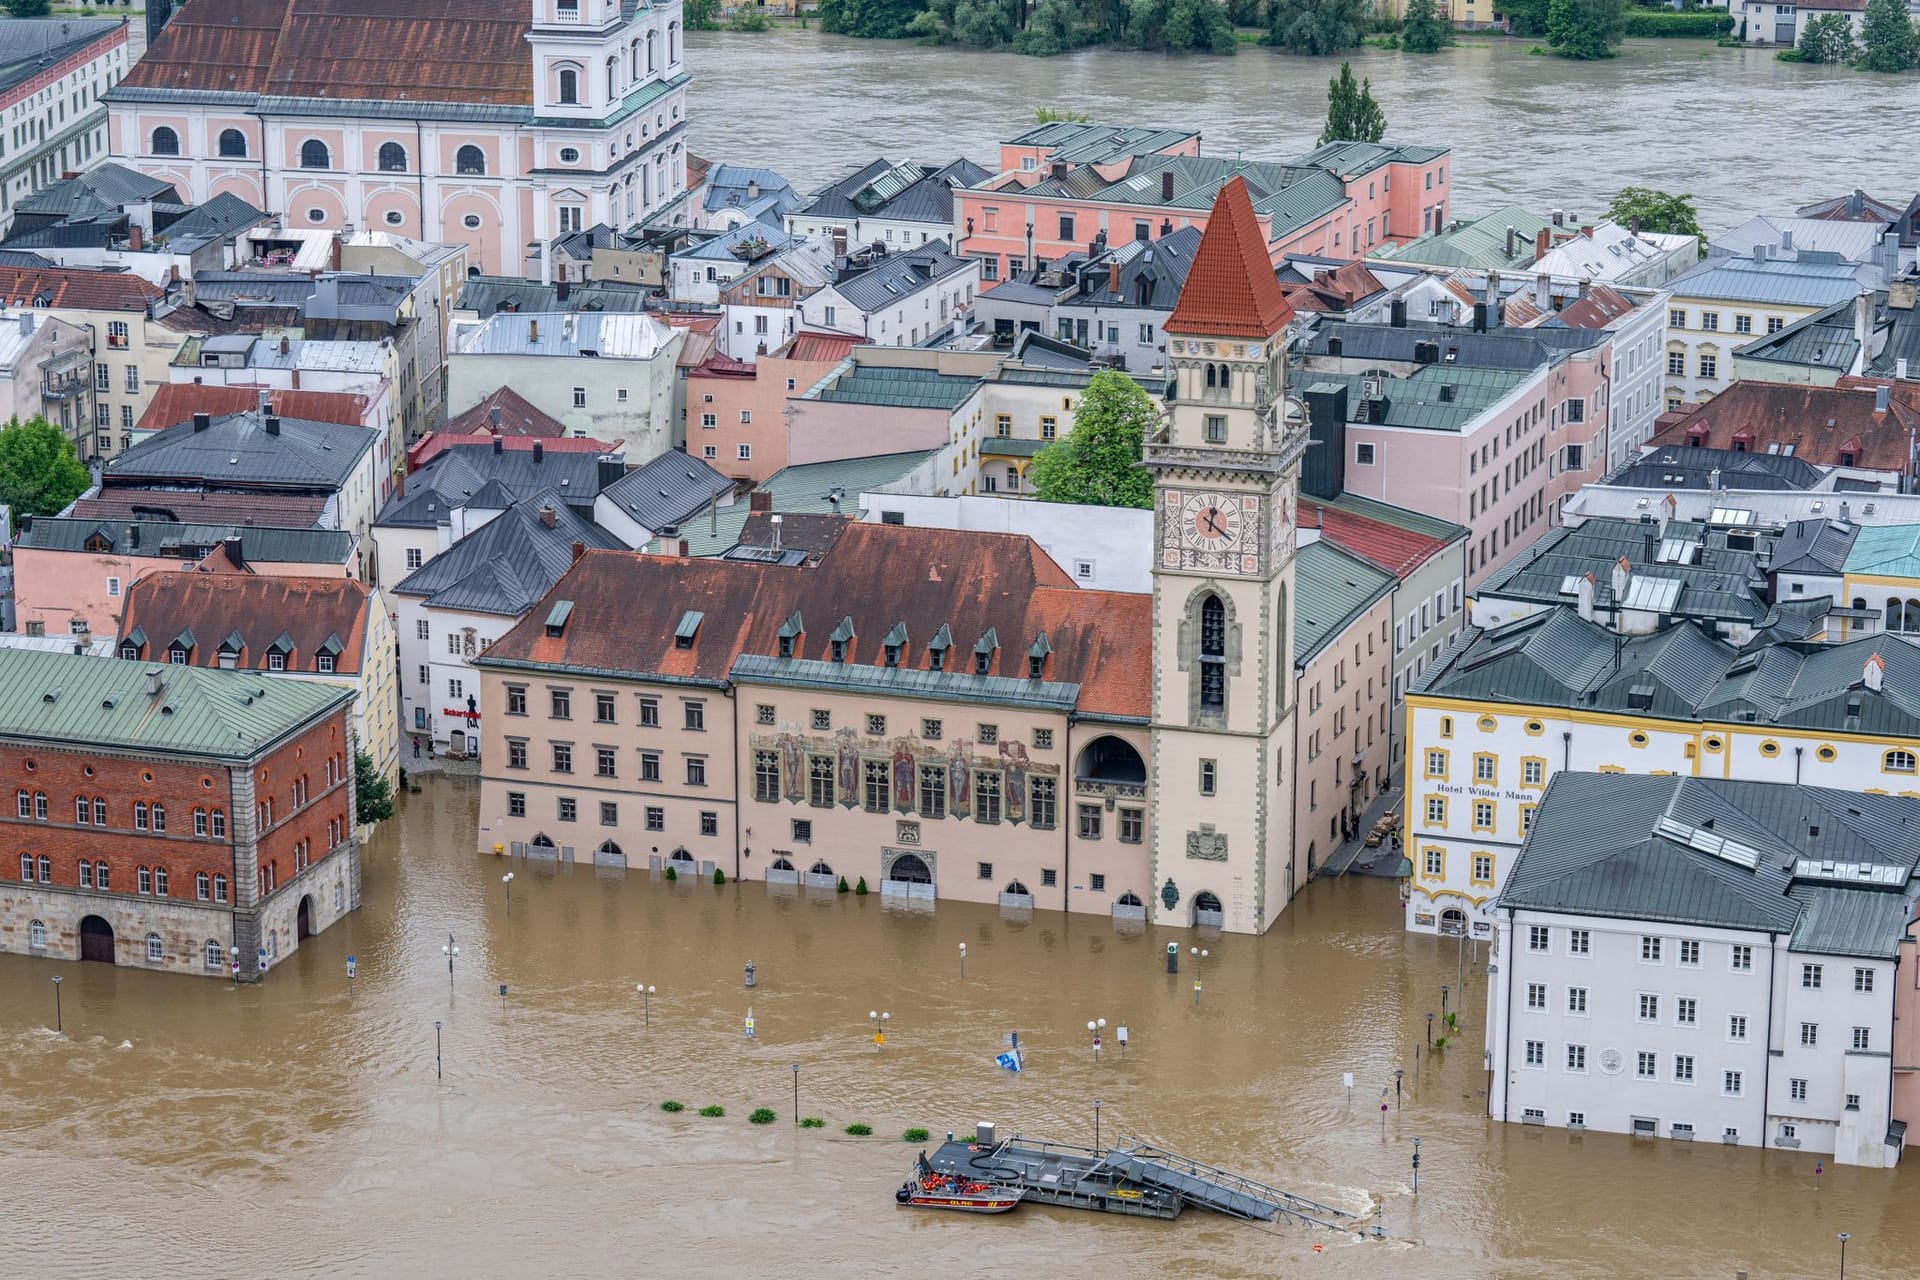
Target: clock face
x=1211, y=531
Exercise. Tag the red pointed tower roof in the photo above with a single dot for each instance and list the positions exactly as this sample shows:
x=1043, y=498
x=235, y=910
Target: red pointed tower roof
x=1231, y=291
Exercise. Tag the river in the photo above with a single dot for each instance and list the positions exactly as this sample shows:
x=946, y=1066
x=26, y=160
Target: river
x=298, y=1128
x=1743, y=133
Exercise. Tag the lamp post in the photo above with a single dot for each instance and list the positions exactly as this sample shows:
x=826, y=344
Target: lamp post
x=1429, y=1029
x=507, y=880
x=59, y=1025
x=233, y=956
x=449, y=951
x=1844, y=1237
x=1398, y=1074
x=1094, y=1029
x=963, y=962
x=1445, y=991
x=795, y=1068
x=438, y=1074
x=1416, y=1166
x=1096, y=1126
x=645, y=993
x=879, y=1021
x=1199, y=955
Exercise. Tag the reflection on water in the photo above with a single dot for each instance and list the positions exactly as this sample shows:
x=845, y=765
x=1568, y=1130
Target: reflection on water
x=297, y=1127
x=1541, y=132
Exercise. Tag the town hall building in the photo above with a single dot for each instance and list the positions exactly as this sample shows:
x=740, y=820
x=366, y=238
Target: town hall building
x=488, y=123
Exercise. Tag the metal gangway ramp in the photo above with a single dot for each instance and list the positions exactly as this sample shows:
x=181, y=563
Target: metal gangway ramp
x=1205, y=1187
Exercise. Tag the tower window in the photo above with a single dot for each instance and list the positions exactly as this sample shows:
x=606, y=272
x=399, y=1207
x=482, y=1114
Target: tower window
x=1213, y=653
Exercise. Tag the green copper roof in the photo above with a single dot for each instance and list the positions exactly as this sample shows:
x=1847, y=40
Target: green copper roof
x=74, y=700
x=1887, y=551
x=1330, y=588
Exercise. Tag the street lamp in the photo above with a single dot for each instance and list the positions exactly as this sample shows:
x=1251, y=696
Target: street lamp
x=449, y=951
x=1096, y=1126
x=645, y=993
x=1398, y=1074
x=233, y=955
x=1416, y=1166
x=795, y=1068
x=963, y=962
x=59, y=1026
x=507, y=880
x=1199, y=954
x=879, y=1021
x=1094, y=1029
x=438, y=1074
x=1429, y=1029
x=1445, y=990
x=1844, y=1237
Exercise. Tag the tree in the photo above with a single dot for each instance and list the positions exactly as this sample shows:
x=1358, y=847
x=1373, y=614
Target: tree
x=1586, y=29
x=1352, y=114
x=1199, y=25
x=372, y=793
x=1888, y=40
x=1658, y=212
x=39, y=471
x=1424, y=30
x=1527, y=17
x=1052, y=28
x=701, y=15
x=1317, y=27
x=1827, y=38
x=1098, y=462
x=29, y=8
x=1059, y=115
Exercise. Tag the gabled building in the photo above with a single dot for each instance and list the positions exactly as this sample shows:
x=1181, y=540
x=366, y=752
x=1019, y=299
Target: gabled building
x=900, y=299
x=1864, y=432
x=332, y=631
x=51, y=77
x=656, y=498
x=731, y=194
x=899, y=205
x=1722, y=304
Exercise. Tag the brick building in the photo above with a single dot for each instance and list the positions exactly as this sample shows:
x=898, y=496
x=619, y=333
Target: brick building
x=172, y=818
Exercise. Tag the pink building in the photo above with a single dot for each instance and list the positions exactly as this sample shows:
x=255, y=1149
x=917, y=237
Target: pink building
x=487, y=123
x=1340, y=199
x=737, y=413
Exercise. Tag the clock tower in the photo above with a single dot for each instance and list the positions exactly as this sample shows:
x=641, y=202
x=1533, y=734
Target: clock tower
x=1226, y=471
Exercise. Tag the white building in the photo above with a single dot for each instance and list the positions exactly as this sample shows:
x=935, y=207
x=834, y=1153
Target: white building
x=602, y=374
x=53, y=73
x=1608, y=253
x=900, y=300
x=1705, y=960
x=1105, y=548
x=897, y=205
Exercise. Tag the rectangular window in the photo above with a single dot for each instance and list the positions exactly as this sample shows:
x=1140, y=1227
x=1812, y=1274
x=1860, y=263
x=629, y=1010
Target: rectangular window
x=1710, y=321
x=1044, y=806
x=1577, y=1000
x=1576, y=1057
x=986, y=797
x=516, y=753
x=1436, y=811
x=1649, y=1007
x=1435, y=862
x=1133, y=823
x=1862, y=1039
x=931, y=730
x=1216, y=428
x=562, y=757
x=656, y=818
x=1811, y=976
x=1686, y=1011
x=1436, y=763
x=821, y=720
x=649, y=713
x=569, y=809
x=1532, y=772
x=696, y=771
x=1683, y=1068
x=1537, y=996
x=649, y=766
x=1536, y=1053
x=603, y=712
x=1539, y=937
x=709, y=823
x=1089, y=822
x=696, y=715
x=1209, y=777
x=1737, y=1026
x=1709, y=367
x=1579, y=942
x=1485, y=768
x=603, y=762
x=1797, y=1090
x=933, y=791
x=766, y=776
x=1732, y=1083
x=1690, y=953
x=1742, y=323
x=516, y=804
x=1775, y=324
x=1676, y=364
x=1676, y=318
x=1810, y=1034
x=1650, y=950
x=609, y=813
x=876, y=785
x=1483, y=815
x=1740, y=959
x=820, y=781
x=1648, y=1065
x=1863, y=980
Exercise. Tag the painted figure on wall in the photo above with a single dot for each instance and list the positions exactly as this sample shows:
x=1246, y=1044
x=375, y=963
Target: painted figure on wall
x=847, y=749
x=1013, y=756
x=903, y=767
x=795, y=782
x=959, y=777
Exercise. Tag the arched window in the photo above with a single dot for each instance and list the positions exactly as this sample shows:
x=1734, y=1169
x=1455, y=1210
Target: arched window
x=673, y=43
x=1912, y=622
x=156, y=950
x=37, y=934
x=219, y=888
x=1211, y=375
x=213, y=955
x=1898, y=762
x=613, y=79
x=470, y=160
x=569, y=86
x=393, y=158
x=1129, y=899
x=1893, y=615
x=820, y=868
x=1015, y=886
x=1213, y=653
x=202, y=885
x=633, y=58
x=650, y=64
x=233, y=144
x=166, y=142
x=314, y=155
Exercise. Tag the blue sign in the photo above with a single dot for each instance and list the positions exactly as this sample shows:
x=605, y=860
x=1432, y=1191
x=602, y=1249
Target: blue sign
x=350, y=968
x=263, y=959
x=1010, y=1060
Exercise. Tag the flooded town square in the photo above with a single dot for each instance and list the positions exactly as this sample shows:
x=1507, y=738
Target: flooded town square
x=298, y=1127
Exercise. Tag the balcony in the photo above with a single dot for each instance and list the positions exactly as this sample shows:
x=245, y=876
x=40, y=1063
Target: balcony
x=1110, y=769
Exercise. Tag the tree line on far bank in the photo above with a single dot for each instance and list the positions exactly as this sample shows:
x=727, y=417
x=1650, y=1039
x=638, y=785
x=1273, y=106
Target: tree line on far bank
x=1580, y=29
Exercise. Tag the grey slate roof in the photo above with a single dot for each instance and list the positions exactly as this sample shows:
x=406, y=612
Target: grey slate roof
x=1902, y=342
x=900, y=274
x=236, y=449
x=1078, y=142
x=1814, y=546
x=191, y=541
x=1716, y=582
x=507, y=564
x=1691, y=468
x=1152, y=273
x=1503, y=348
x=104, y=189
x=1823, y=340
x=484, y=295
x=1435, y=397
x=1802, y=283
x=904, y=192
x=668, y=491
x=856, y=383
x=1714, y=852
x=1331, y=588
x=481, y=478
x=75, y=700
x=905, y=682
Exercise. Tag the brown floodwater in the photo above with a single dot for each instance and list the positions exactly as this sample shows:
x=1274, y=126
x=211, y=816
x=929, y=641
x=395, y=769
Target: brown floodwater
x=297, y=1128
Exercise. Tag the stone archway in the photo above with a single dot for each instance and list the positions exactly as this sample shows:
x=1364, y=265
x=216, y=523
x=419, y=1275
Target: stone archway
x=303, y=919
x=1208, y=911
x=908, y=868
x=96, y=940
x=609, y=854
x=1453, y=922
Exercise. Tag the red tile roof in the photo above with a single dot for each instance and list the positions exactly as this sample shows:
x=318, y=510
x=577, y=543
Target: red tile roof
x=281, y=511
x=1600, y=308
x=435, y=443
x=471, y=51
x=1392, y=547
x=64, y=287
x=1819, y=422
x=260, y=607
x=517, y=418
x=1336, y=290
x=822, y=347
x=176, y=402
x=1231, y=291
x=627, y=606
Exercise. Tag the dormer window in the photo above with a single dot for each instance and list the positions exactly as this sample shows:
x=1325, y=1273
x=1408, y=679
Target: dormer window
x=893, y=655
x=837, y=642
x=1036, y=667
x=276, y=661
x=983, y=651
x=556, y=625
x=324, y=664
x=689, y=627
x=790, y=632
x=983, y=664
x=839, y=648
x=937, y=659
x=786, y=646
x=130, y=651
x=896, y=643
x=177, y=656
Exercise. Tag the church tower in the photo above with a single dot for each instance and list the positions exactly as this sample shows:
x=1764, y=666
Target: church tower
x=1226, y=473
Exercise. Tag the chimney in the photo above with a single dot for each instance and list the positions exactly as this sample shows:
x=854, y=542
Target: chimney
x=548, y=516
x=759, y=500
x=1760, y=253
x=1713, y=480
x=1786, y=240
x=1493, y=299
x=1900, y=294
x=333, y=253
x=1650, y=542
x=753, y=189
x=266, y=403
x=1511, y=233
x=1622, y=572
x=1543, y=291
x=1113, y=276
x=26, y=324
x=273, y=425
x=1633, y=225
x=499, y=445
x=1881, y=395
x=136, y=238
x=1583, y=596
x=155, y=685
x=774, y=521
x=1846, y=513
x=562, y=288
x=1863, y=325
x=1587, y=231
x=133, y=536
x=235, y=551
x=539, y=452
x=1479, y=317
x=286, y=347
x=1397, y=313
x=1542, y=243
x=1559, y=218
x=201, y=421
x=533, y=331
x=1873, y=672
x=1900, y=368
x=579, y=550
x=1166, y=185
x=611, y=469
x=1586, y=287
x=493, y=417
x=1857, y=202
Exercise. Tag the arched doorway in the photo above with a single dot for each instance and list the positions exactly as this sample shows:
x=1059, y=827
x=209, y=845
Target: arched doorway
x=781, y=864
x=303, y=922
x=681, y=858
x=1453, y=922
x=609, y=854
x=1207, y=910
x=1016, y=887
x=96, y=940
x=820, y=868
x=1112, y=760
x=909, y=869
x=1129, y=899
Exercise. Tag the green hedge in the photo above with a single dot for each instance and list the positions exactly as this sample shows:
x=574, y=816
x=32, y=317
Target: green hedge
x=1670, y=25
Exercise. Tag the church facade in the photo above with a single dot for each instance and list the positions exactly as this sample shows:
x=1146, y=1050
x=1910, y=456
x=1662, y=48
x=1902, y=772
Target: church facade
x=489, y=123
x=944, y=714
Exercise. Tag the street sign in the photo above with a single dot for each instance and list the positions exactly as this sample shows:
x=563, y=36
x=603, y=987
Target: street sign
x=263, y=959
x=350, y=968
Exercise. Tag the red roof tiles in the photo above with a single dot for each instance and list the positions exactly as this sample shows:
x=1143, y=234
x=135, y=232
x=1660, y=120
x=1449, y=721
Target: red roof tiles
x=282, y=511
x=627, y=607
x=61, y=287
x=215, y=605
x=820, y=346
x=1820, y=423
x=1392, y=547
x=176, y=402
x=1231, y=291
x=1600, y=308
x=517, y=418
